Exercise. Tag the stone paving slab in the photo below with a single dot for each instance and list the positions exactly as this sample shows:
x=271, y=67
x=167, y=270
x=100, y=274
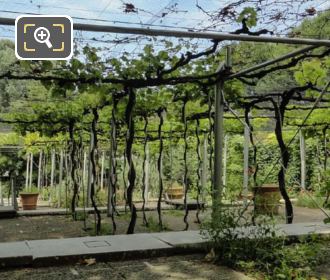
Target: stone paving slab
x=122, y=247
x=303, y=229
x=112, y=248
x=89, y=210
x=179, y=204
x=181, y=238
x=15, y=254
x=7, y=212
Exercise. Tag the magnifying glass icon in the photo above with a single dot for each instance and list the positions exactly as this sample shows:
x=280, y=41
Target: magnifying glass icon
x=41, y=35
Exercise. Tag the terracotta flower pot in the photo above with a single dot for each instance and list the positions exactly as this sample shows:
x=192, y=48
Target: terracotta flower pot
x=175, y=191
x=29, y=200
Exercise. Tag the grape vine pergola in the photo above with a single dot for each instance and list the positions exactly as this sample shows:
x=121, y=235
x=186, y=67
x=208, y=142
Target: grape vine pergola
x=217, y=106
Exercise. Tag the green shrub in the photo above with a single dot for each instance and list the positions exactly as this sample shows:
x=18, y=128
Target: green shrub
x=262, y=252
x=32, y=190
x=309, y=200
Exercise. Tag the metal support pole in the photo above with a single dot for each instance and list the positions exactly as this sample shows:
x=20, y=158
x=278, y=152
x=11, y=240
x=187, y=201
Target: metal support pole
x=27, y=171
x=102, y=170
x=186, y=34
x=225, y=152
x=218, y=144
x=110, y=205
x=204, y=167
x=85, y=169
x=31, y=171
x=39, y=170
x=246, y=160
x=90, y=175
x=60, y=180
x=146, y=179
x=1, y=194
x=13, y=192
x=219, y=129
x=271, y=62
x=52, y=169
x=303, y=160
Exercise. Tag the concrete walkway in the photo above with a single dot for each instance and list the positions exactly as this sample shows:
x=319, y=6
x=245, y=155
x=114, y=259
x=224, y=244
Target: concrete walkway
x=7, y=212
x=43, y=211
x=123, y=247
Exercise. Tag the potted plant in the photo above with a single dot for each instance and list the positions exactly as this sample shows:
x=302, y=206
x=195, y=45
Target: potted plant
x=175, y=191
x=29, y=198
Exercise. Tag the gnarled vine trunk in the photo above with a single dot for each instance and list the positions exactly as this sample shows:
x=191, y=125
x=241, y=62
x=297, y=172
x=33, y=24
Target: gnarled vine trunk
x=160, y=167
x=210, y=135
x=185, y=174
x=255, y=162
x=113, y=167
x=145, y=143
x=94, y=175
x=285, y=156
x=129, y=144
x=73, y=168
x=198, y=171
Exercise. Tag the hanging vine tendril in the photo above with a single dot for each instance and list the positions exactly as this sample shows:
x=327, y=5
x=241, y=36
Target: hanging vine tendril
x=185, y=175
x=93, y=162
x=129, y=143
x=198, y=171
x=160, y=112
x=113, y=166
x=145, y=144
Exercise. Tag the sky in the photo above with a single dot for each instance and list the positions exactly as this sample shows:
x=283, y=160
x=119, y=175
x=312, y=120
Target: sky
x=173, y=14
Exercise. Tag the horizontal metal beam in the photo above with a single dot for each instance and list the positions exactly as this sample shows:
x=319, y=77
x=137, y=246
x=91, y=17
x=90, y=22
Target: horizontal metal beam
x=186, y=34
x=273, y=61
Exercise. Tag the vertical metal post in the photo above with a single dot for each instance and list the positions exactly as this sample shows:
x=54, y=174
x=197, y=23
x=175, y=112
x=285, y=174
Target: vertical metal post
x=13, y=191
x=246, y=160
x=218, y=144
x=85, y=169
x=1, y=195
x=27, y=171
x=110, y=205
x=39, y=170
x=171, y=155
x=67, y=181
x=146, y=170
x=225, y=151
x=204, y=167
x=219, y=137
x=31, y=171
x=303, y=160
x=52, y=169
x=45, y=175
x=102, y=170
x=90, y=175
x=60, y=179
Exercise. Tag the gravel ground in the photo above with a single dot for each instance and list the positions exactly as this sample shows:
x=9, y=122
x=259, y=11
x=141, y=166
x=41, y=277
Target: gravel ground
x=47, y=227
x=190, y=267
x=178, y=267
